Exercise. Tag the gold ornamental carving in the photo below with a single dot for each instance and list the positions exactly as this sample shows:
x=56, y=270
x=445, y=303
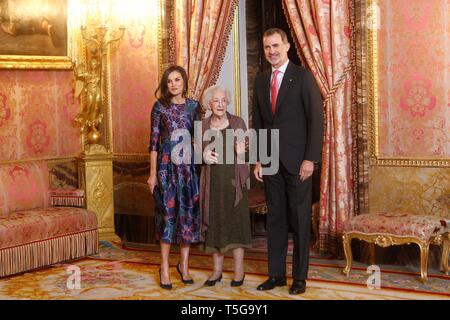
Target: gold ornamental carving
x=96, y=177
x=100, y=192
x=262, y=209
x=385, y=240
x=89, y=83
x=98, y=40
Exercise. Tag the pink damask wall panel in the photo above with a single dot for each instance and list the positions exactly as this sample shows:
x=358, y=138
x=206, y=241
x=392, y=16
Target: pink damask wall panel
x=36, y=115
x=134, y=80
x=414, y=78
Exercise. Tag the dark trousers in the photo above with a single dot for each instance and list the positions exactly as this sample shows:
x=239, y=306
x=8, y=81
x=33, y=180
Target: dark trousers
x=289, y=209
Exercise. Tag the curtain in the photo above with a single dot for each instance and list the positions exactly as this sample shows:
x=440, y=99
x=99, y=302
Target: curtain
x=202, y=29
x=322, y=32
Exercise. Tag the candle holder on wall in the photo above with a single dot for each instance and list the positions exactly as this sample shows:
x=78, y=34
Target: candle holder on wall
x=96, y=41
x=91, y=78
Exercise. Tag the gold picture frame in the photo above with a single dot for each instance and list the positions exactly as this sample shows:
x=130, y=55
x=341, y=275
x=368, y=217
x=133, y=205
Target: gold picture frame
x=374, y=135
x=35, y=34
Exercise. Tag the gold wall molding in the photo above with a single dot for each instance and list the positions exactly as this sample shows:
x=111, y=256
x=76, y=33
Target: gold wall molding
x=108, y=130
x=35, y=62
x=161, y=36
x=47, y=159
x=376, y=159
x=236, y=64
x=135, y=157
x=408, y=162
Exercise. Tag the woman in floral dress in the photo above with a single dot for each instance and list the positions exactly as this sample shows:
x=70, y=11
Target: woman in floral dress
x=174, y=180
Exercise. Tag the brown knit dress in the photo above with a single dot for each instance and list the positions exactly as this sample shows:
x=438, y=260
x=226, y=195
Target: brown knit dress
x=229, y=226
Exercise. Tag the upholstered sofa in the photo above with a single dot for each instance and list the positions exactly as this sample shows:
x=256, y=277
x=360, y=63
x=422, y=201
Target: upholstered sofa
x=37, y=226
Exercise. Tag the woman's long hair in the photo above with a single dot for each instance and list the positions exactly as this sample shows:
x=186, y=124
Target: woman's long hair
x=162, y=92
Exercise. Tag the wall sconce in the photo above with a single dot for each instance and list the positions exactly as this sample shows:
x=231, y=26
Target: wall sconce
x=98, y=38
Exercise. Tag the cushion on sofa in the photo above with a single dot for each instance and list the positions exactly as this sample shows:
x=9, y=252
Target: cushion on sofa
x=28, y=226
x=399, y=224
x=23, y=186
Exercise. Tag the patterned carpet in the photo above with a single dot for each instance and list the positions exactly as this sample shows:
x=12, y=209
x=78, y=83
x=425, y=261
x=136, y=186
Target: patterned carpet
x=117, y=273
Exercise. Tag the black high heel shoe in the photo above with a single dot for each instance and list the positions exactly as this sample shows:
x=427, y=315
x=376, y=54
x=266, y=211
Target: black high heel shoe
x=188, y=281
x=164, y=286
x=211, y=283
x=237, y=283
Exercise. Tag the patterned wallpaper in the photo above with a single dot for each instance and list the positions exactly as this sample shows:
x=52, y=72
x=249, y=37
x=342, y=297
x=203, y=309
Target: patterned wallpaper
x=36, y=112
x=414, y=78
x=414, y=101
x=134, y=79
x=416, y=190
x=414, y=91
x=37, y=107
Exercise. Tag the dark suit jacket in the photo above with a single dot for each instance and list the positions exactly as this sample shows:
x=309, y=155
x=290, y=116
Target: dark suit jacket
x=298, y=115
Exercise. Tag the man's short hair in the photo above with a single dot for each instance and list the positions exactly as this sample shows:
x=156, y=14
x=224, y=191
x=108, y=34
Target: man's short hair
x=272, y=31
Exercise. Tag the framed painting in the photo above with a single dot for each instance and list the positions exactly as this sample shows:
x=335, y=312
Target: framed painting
x=34, y=34
x=408, y=83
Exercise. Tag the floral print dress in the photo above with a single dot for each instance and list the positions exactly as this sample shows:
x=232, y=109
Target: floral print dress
x=178, y=220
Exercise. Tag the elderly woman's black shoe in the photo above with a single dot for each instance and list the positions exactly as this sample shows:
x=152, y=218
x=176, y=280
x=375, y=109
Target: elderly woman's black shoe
x=164, y=286
x=211, y=283
x=188, y=281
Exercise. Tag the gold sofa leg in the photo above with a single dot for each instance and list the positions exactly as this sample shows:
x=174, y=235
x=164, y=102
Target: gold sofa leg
x=347, y=241
x=424, y=249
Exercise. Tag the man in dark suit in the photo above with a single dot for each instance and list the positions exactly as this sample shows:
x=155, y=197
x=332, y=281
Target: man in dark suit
x=287, y=98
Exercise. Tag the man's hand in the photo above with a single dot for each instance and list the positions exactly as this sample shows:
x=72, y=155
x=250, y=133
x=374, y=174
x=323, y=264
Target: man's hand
x=306, y=170
x=258, y=172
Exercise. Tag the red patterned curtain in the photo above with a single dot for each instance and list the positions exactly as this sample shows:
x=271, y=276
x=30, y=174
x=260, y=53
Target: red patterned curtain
x=202, y=28
x=322, y=30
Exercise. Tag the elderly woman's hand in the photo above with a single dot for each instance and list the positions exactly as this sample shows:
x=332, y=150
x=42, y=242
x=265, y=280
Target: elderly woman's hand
x=210, y=157
x=241, y=147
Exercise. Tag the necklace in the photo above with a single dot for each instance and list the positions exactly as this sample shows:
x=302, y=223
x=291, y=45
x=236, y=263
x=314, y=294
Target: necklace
x=219, y=124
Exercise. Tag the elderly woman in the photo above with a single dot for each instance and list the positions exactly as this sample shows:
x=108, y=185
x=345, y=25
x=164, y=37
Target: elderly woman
x=223, y=189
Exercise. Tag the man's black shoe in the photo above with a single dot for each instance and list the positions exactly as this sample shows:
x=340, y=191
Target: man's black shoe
x=271, y=283
x=297, y=287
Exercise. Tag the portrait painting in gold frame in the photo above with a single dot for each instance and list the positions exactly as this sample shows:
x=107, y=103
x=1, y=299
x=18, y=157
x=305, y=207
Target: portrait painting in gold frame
x=34, y=34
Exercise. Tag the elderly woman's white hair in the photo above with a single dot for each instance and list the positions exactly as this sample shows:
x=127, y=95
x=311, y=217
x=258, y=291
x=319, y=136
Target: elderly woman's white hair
x=208, y=94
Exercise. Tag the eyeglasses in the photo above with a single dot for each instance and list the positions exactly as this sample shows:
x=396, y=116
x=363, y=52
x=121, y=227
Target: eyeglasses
x=219, y=101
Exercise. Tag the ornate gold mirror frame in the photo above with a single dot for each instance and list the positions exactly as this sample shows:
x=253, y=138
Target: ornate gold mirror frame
x=376, y=158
